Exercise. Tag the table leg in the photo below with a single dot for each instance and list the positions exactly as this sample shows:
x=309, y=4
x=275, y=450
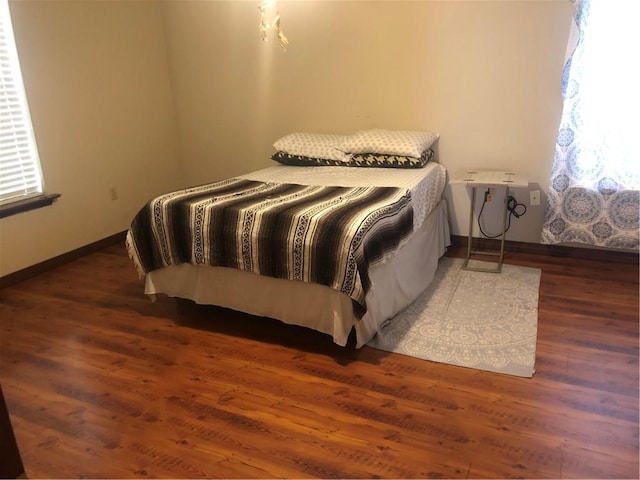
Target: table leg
x=504, y=227
x=470, y=237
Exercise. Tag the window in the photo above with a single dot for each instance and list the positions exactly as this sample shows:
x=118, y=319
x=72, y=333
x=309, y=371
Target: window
x=21, y=183
x=594, y=195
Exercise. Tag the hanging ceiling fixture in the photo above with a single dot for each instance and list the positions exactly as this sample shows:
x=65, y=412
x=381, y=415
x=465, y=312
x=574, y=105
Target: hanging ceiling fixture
x=274, y=24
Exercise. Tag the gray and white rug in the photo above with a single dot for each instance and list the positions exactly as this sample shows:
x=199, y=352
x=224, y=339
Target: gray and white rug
x=472, y=319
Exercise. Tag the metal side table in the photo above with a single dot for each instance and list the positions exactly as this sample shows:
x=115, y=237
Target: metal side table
x=488, y=179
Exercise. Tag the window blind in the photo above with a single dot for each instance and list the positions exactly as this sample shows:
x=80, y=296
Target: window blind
x=20, y=173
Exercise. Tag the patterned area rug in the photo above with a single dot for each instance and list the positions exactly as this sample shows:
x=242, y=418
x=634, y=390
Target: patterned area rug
x=472, y=319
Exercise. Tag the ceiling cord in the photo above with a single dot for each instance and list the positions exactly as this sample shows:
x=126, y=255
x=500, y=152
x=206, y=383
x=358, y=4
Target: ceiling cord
x=512, y=205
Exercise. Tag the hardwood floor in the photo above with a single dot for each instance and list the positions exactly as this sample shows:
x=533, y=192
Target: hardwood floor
x=101, y=382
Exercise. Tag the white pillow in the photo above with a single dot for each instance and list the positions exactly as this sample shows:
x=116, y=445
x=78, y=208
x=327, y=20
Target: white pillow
x=389, y=142
x=313, y=145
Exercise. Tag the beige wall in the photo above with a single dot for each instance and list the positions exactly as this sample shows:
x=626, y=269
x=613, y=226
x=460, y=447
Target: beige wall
x=484, y=74
x=97, y=80
x=148, y=96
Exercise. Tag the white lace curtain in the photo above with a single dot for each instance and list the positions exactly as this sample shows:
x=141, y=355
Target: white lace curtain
x=594, y=193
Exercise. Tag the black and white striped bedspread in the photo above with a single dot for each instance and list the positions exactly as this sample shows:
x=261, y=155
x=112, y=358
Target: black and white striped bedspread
x=321, y=234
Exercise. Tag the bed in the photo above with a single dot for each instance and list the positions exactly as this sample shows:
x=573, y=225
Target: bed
x=311, y=241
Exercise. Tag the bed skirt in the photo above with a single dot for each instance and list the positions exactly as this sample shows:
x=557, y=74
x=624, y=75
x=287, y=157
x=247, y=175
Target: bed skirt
x=395, y=284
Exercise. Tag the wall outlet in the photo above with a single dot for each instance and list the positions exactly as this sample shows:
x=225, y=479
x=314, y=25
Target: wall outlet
x=534, y=197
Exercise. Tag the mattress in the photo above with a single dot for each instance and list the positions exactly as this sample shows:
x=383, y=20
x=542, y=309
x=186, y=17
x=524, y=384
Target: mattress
x=395, y=284
x=395, y=281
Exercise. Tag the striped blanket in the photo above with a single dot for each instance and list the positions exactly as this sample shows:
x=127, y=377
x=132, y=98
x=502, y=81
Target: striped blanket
x=326, y=235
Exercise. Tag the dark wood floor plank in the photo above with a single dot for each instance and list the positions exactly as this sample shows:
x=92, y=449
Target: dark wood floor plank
x=101, y=382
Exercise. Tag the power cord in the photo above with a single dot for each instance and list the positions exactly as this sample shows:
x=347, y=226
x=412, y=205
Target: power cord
x=512, y=205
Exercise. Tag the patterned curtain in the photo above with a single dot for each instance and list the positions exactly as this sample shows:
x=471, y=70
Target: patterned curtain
x=594, y=193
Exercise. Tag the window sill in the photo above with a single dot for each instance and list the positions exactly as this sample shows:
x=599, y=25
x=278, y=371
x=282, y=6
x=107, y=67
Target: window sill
x=28, y=204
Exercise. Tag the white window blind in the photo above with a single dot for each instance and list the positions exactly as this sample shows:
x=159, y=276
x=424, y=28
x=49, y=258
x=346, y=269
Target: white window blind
x=20, y=173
